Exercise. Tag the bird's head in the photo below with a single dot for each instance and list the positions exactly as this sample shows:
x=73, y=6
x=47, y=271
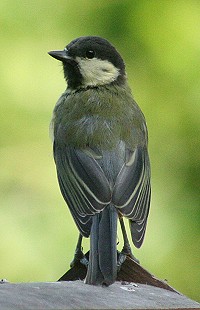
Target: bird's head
x=91, y=62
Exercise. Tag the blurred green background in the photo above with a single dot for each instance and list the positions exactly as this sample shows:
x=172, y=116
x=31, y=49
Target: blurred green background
x=160, y=43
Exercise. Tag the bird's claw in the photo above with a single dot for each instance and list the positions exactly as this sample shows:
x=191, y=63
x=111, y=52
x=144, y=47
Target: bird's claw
x=121, y=259
x=79, y=257
x=126, y=252
x=84, y=261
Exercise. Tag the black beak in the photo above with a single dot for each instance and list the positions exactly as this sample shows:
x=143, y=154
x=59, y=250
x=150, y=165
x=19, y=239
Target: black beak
x=60, y=55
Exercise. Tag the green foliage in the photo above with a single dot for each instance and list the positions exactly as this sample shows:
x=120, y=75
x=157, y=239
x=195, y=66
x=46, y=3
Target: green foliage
x=159, y=40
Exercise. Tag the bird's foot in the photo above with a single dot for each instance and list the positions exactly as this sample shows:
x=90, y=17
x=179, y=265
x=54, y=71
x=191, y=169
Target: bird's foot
x=126, y=252
x=120, y=260
x=79, y=257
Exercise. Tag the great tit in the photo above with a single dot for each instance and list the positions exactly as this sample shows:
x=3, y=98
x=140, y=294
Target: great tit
x=100, y=150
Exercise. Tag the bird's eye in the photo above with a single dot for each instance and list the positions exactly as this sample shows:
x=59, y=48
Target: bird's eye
x=90, y=54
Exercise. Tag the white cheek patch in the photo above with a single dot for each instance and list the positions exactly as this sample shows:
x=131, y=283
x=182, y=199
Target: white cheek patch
x=96, y=71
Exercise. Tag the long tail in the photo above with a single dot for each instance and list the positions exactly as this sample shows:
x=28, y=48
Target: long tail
x=102, y=268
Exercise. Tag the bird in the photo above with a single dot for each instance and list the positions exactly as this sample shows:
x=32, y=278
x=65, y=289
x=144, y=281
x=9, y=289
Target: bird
x=100, y=147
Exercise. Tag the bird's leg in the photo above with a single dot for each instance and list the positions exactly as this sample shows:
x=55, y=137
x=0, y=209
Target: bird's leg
x=79, y=257
x=126, y=250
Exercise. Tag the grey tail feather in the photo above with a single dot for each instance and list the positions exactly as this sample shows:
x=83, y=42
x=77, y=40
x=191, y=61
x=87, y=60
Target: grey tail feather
x=102, y=268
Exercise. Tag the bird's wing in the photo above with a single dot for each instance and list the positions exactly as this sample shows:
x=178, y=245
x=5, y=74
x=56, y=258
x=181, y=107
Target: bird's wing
x=132, y=192
x=83, y=184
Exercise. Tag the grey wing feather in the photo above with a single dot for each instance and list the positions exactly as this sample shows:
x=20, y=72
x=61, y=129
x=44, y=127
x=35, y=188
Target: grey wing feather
x=132, y=192
x=83, y=185
x=90, y=175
